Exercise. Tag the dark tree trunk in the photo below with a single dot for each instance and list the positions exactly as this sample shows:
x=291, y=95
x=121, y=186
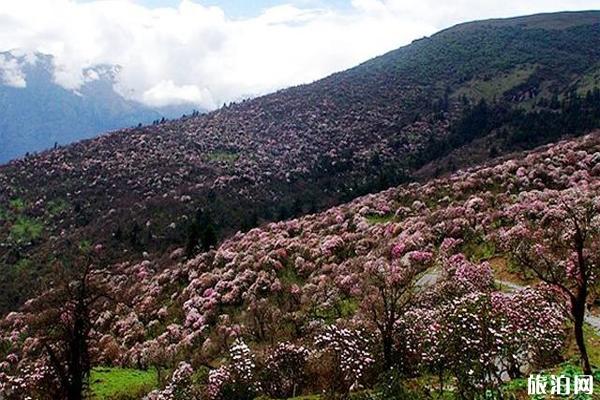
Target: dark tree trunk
x=578, y=311
x=74, y=393
x=579, y=301
x=387, y=336
x=387, y=350
x=78, y=363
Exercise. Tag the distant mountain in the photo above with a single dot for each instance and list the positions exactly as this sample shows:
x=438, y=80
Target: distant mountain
x=36, y=113
x=467, y=94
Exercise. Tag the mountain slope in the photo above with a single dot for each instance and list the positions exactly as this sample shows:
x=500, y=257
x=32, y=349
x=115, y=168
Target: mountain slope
x=283, y=284
x=42, y=113
x=142, y=192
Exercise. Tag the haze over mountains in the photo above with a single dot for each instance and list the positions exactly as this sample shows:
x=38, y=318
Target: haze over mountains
x=38, y=113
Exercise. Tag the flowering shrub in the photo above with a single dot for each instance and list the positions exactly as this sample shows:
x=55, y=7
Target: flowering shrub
x=32, y=381
x=238, y=380
x=179, y=388
x=345, y=354
x=218, y=380
x=407, y=275
x=483, y=338
x=475, y=342
x=387, y=290
x=285, y=372
x=535, y=328
x=467, y=277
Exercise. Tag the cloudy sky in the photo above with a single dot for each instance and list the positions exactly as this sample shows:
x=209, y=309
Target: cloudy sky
x=209, y=52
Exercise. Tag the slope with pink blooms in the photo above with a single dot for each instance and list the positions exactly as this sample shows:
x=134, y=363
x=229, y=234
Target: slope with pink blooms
x=331, y=301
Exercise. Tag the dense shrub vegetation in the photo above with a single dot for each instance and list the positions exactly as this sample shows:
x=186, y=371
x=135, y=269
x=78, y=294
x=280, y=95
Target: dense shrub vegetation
x=331, y=302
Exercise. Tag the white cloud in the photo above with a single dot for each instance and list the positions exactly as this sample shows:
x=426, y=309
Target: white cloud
x=168, y=93
x=11, y=73
x=196, y=53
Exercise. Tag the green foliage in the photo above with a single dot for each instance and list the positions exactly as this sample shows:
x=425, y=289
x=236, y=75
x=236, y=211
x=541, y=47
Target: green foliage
x=200, y=376
x=515, y=128
x=121, y=383
x=85, y=246
x=346, y=307
x=592, y=337
x=380, y=219
x=481, y=50
x=57, y=206
x=575, y=115
x=479, y=249
x=26, y=229
x=222, y=155
x=392, y=386
x=23, y=265
x=589, y=81
x=343, y=308
x=516, y=386
x=202, y=233
x=308, y=397
x=571, y=371
x=289, y=276
x=17, y=204
x=513, y=267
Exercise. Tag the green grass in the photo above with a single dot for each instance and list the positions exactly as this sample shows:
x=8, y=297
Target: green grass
x=26, y=229
x=121, y=383
x=488, y=89
x=516, y=385
x=592, y=339
x=519, y=386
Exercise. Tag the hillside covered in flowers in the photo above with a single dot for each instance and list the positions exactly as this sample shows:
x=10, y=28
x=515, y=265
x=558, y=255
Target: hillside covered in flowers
x=486, y=88
x=406, y=285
